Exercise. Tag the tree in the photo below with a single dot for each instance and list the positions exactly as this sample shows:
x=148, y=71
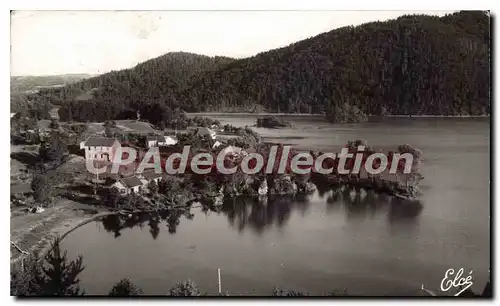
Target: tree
x=125, y=288
x=131, y=201
x=108, y=132
x=414, y=175
x=113, y=197
x=185, y=288
x=54, y=124
x=27, y=279
x=54, y=149
x=346, y=113
x=110, y=123
x=61, y=274
x=153, y=187
x=53, y=275
x=42, y=188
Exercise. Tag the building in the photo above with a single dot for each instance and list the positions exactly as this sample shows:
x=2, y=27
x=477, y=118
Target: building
x=217, y=144
x=204, y=131
x=159, y=141
x=151, y=175
x=128, y=185
x=100, y=148
x=235, y=152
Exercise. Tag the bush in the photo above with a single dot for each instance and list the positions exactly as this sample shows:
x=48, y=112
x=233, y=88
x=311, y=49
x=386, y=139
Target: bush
x=284, y=292
x=185, y=288
x=110, y=123
x=271, y=122
x=346, y=113
x=125, y=288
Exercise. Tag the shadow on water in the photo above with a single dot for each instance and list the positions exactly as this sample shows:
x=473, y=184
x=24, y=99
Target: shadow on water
x=261, y=214
x=116, y=223
x=362, y=204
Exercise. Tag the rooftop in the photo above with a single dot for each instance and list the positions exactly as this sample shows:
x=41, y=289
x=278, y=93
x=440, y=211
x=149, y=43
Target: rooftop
x=131, y=181
x=155, y=138
x=151, y=174
x=100, y=142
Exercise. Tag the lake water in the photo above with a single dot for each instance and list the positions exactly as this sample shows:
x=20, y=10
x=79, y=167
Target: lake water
x=317, y=243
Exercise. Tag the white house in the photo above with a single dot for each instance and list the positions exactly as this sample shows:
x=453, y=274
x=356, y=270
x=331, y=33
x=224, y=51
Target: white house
x=100, y=148
x=159, y=141
x=204, y=131
x=128, y=185
x=233, y=151
x=216, y=144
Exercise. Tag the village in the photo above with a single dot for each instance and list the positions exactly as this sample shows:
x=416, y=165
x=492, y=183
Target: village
x=51, y=189
x=102, y=150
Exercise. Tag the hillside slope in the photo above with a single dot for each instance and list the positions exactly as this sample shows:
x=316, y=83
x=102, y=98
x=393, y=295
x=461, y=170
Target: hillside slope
x=411, y=65
x=158, y=78
x=418, y=65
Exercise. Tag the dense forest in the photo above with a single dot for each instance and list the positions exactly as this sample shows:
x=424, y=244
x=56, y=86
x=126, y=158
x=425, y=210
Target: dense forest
x=412, y=65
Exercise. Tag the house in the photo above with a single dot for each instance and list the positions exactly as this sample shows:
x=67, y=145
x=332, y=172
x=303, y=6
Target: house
x=204, y=131
x=151, y=175
x=233, y=151
x=216, y=144
x=128, y=185
x=100, y=148
x=159, y=141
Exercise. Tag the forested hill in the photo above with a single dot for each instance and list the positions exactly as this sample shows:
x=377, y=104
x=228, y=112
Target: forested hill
x=411, y=65
x=160, y=78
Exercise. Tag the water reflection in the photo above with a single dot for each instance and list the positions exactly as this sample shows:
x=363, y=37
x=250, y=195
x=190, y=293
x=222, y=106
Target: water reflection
x=361, y=204
x=115, y=223
x=261, y=214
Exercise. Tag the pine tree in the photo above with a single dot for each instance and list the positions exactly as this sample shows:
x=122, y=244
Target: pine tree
x=61, y=274
x=27, y=279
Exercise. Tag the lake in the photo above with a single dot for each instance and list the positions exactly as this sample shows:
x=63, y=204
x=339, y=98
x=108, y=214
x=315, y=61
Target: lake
x=317, y=243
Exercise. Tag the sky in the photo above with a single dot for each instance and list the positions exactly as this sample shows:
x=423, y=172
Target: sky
x=95, y=42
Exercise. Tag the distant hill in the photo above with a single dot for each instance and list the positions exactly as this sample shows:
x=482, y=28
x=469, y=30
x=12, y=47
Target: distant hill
x=23, y=83
x=23, y=88
x=411, y=65
x=160, y=78
x=418, y=65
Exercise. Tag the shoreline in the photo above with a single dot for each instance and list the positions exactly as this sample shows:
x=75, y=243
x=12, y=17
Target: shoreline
x=321, y=115
x=48, y=247
x=70, y=220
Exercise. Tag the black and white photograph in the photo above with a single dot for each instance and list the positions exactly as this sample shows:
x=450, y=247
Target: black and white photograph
x=251, y=153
